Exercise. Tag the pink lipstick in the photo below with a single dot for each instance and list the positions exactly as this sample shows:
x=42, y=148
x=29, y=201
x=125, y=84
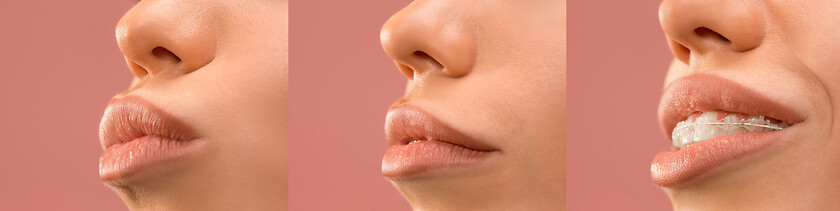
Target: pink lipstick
x=137, y=137
x=685, y=97
x=419, y=145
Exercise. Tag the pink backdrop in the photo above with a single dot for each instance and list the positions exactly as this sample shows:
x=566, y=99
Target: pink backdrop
x=341, y=86
x=59, y=65
x=617, y=59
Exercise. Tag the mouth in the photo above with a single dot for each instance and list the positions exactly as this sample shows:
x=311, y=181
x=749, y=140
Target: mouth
x=713, y=121
x=139, y=139
x=420, y=145
x=707, y=125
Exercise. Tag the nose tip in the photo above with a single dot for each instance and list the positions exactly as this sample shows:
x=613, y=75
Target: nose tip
x=156, y=38
x=421, y=40
x=703, y=26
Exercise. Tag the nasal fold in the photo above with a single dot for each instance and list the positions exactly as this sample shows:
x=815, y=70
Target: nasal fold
x=156, y=38
x=699, y=27
x=424, y=42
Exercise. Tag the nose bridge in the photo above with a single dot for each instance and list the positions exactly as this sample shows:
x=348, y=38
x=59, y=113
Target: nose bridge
x=160, y=36
x=715, y=25
x=432, y=32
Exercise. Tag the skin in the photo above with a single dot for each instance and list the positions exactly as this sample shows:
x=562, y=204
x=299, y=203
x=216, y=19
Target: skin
x=230, y=85
x=788, y=51
x=494, y=70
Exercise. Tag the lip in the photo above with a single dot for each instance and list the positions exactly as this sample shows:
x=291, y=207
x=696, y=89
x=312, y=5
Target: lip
x=704, y=92
x=138, y=138
x=444, y=148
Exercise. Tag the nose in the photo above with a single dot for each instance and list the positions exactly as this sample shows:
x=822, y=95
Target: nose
x=701, y=27
x=428, y=38
x=166, y=36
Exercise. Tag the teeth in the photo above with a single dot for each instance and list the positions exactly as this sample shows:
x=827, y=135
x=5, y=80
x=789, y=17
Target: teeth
x=707, y=126
x=415, y=141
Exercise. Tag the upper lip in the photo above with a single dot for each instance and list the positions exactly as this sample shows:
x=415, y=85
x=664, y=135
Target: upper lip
x=131, y=117
x=405, y=123
x=705, y=92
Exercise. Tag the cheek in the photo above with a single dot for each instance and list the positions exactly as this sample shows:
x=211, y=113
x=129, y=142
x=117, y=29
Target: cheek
x=811, y=34
x=810, y=31
x=246, y=97
x=539, y=98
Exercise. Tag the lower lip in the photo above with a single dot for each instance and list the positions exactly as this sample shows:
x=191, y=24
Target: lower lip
x=145, y=154
x=412, y=160
x=677, y=168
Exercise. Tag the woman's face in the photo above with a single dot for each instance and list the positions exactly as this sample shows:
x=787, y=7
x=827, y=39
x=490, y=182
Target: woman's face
x=773, y=58
x=203, y=125
x=482, y=122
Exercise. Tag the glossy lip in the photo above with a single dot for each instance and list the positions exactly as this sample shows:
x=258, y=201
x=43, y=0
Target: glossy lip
x=137, y=137
x=704, y=92
x=444, y=148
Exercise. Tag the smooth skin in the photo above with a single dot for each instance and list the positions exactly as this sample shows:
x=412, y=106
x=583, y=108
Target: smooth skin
x=220, y=66
x=494, y=70
x=788, y=51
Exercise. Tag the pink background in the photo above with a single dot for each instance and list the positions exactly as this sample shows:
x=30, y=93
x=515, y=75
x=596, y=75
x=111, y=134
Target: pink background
x=59, y=65
x=341, y=86
x=617, y=60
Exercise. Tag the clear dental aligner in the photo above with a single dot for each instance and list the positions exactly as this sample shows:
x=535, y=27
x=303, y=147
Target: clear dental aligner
x=708, y=126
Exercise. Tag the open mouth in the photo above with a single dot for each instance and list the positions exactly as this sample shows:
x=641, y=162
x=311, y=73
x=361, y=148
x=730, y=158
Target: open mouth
x=713, y=121
x=706, y=125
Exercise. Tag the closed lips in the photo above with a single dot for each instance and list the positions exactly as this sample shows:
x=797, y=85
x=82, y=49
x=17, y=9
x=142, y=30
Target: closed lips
x=408, y=124
x=420, y=145
x=131, y=118
x=136, y=137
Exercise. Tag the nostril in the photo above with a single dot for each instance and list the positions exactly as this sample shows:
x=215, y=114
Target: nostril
x=163, y=53
x=709, y=33
x=406, y=71
x=683, y=53
x=423, y=56
x=137, y=70
x=680, y=51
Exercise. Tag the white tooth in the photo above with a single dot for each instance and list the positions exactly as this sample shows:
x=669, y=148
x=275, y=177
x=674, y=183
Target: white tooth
x=709, y=116
x=755, y=120
x=687, y=137
x=732, y=130
x=731, y=118
x=705, y=131
x=730, y=126
x=677, y=134
x=707, y=126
